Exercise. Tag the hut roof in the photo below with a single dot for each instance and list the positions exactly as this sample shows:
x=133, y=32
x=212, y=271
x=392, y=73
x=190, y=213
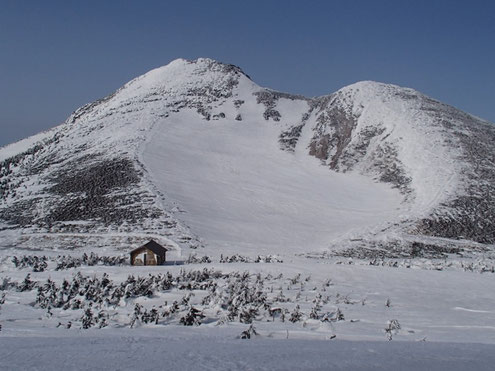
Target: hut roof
x=153, y=246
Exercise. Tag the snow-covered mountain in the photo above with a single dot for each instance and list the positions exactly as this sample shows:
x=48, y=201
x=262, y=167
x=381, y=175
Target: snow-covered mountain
x=198, y=155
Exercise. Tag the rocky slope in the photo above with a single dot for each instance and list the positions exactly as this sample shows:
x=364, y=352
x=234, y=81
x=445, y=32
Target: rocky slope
x=90, y=182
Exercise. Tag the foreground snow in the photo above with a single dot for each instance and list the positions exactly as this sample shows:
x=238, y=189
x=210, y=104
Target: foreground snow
x=446, y=320
x=193, y=350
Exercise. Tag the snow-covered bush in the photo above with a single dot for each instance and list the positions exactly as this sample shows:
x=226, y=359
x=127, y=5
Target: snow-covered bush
x=393, y=327
x=237, y=258
x=247, y=334
x=195, y=259
x=192, y=318
x=233, y=297
x=62, y=262
x=37, y=263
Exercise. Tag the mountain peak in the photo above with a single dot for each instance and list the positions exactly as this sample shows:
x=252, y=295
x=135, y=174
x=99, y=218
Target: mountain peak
x=184, y=77
x=376, y=88
x=199, y=66
x=194, y=121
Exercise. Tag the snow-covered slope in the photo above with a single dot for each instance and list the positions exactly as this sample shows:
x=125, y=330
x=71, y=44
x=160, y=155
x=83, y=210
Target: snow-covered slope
x=440, y=158
x=241, y=193
x=196, y=154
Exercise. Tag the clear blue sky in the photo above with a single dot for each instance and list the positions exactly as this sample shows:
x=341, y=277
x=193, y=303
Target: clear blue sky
x=58, y=55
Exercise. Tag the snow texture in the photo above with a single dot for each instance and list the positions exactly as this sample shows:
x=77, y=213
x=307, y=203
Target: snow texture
x=175, y=352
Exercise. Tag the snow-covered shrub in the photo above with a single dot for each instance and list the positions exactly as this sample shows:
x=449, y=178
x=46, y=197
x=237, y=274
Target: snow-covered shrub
x=247, y=334
x=296, y=314
x=37, y=263
x=237, y=258
x=195, y=259
x=192, y=318
x=315, y=310
x=6, y=283
x=27, y=284
x=87, y=320
x=393, y=327
x=234, y=297
x=334, y=316
x=40, y=263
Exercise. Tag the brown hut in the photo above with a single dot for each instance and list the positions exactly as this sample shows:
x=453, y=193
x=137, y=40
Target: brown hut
x=151, y=253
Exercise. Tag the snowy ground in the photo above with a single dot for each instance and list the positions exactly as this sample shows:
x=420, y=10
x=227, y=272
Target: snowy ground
x=177, y=350
x=447, y=321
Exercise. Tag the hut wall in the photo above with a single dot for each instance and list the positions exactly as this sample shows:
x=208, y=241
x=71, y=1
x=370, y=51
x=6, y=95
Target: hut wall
x=151, y=258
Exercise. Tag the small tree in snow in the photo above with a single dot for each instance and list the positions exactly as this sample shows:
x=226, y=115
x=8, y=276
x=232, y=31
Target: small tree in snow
x=393, y=327
x=87, y=320
x=102, y=319
x=246, y=334
x=192, y=317
x=296, y=314
x=27, y=284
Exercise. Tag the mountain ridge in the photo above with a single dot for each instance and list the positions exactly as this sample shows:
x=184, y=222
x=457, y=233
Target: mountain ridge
x=87, y=176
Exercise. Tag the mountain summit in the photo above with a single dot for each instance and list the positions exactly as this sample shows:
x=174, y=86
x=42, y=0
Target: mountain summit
x=196, y=154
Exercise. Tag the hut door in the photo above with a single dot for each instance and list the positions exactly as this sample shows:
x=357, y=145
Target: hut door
x=145, y=257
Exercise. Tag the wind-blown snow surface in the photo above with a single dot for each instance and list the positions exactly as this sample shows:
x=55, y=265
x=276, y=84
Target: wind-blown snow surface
x=177, y=351
x=241, y=193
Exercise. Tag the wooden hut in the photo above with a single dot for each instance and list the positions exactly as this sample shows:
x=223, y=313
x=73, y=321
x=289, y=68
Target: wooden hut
x=151, y=253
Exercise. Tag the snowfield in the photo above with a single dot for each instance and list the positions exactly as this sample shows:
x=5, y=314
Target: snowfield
x=246, y=198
